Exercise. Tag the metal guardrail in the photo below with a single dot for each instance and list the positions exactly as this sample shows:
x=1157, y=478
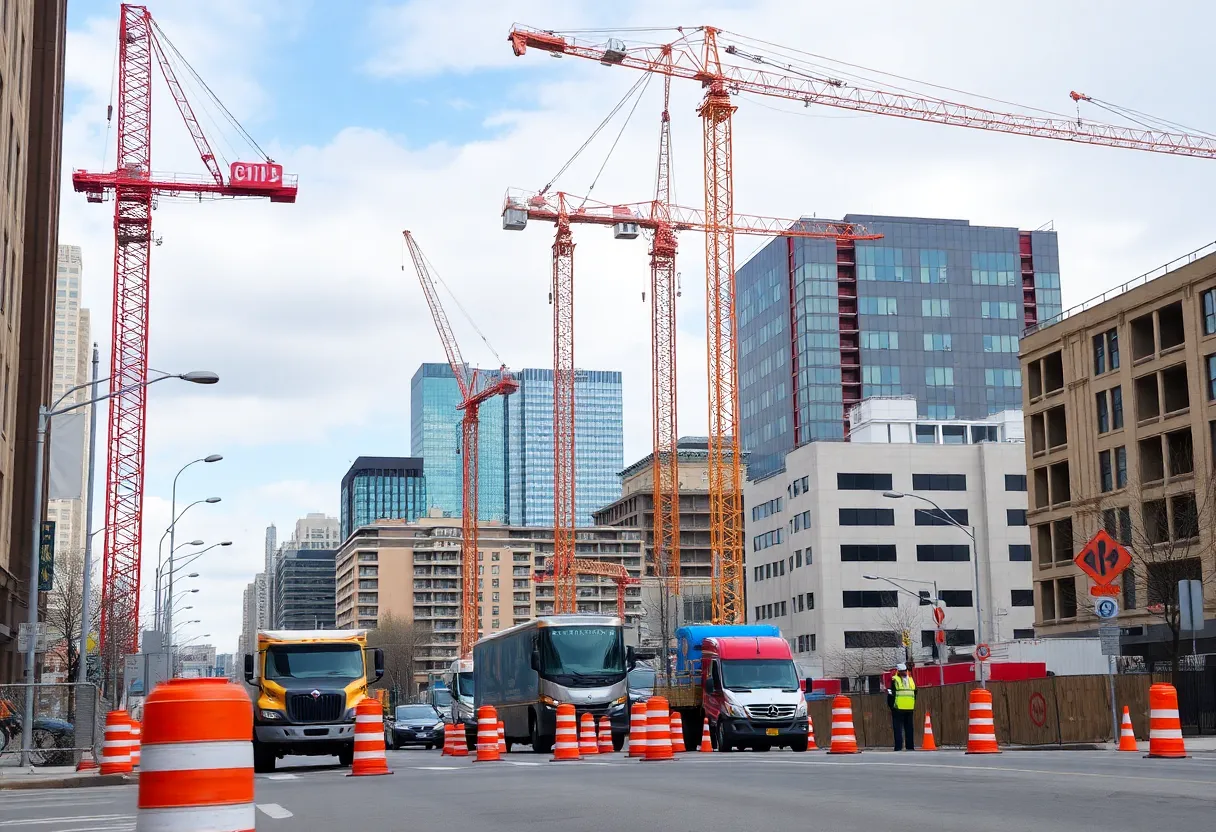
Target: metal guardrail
x=68, y=720
x=1160, y=271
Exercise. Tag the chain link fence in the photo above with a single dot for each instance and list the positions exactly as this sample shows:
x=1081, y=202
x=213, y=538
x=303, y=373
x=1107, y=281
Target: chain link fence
x=68, y=720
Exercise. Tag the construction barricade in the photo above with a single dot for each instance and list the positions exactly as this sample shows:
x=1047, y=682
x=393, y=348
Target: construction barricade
x=981, y=728
x=453, y=740
x=116, y=749
x=658, y=730
x=502, y=738
x=588, y=745
x=677, y=732
x=637, y=730
x=370, y=758
x=487, y=735
x=605, y=737
x=1164, y=726
x=198, y=770
x=844, y=737
x=1127, y=735
x=810, y=734
x=927, y=742
x=565, y=743
x=707, y=743
x=134, y=740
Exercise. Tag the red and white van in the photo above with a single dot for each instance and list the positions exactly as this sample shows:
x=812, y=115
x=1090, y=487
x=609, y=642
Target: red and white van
x=751, y=693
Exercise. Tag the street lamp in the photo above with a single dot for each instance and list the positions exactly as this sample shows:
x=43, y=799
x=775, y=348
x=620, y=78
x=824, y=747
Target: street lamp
x=173, y=529
x=937, y=602
x=189, y=560
x=160, y=575
x=45, y=414
x=942, y=514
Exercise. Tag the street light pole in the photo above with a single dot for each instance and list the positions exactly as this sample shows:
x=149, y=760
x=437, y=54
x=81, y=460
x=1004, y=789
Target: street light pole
x=172, y=531
x=86, y=583
x=160, y=558
x=45, y=414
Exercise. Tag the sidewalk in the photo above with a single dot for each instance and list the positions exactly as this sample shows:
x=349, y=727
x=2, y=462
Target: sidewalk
x=58, y=777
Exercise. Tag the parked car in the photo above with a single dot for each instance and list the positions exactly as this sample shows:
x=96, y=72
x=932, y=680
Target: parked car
x=52, y=738
x=413, y=725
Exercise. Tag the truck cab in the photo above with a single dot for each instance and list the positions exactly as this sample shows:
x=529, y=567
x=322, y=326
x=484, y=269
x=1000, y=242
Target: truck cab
x=751, y=693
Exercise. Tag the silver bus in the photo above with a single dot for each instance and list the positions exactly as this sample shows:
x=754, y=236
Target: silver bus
x=527, y=671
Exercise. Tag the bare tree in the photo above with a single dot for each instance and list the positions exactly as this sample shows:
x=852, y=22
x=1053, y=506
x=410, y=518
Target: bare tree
x=400, y=640
x=64, y=606
x=874, y=653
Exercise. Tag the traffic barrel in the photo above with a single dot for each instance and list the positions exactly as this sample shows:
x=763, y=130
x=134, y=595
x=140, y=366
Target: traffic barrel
x=927, y=742
x=448, y=733
x=810, y=734
x=677, y=732
x=1127, y=736
x=502, y=738
x=637, y=730
x=87, y=763
x=658, y=730
x=134, y=741
x=605, y=739
x=1164, y=726
x=981, y=729
x=115, y=753
x=370, y=758
x=587, y=744
x=454, y=741
x=198, y=774
x=707, y=744
x=565, y=744
x=844, y=738
x=487, y=735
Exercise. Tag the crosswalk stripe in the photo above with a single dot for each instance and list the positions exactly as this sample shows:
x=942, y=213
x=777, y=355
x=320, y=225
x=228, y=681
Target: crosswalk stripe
x=274, y=810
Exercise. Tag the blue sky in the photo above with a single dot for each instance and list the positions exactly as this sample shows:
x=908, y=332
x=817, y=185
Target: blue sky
x=416, y=115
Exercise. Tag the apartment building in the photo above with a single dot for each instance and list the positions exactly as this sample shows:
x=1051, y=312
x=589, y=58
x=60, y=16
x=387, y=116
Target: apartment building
x=841, y=544
x=1120, y=408
x=411, y=571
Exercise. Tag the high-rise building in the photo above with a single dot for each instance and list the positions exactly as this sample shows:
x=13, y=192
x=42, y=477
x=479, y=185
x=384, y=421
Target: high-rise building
x=382, y=487
x=316, y=531
x=272, y=535
x=71, y=357
x=435, y=437
x=1121, y=437
x=599, y=445
x=932, y=310
x=32, y=38
x=304, y=586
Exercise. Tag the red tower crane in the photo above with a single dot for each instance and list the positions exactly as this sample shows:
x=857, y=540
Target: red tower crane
x=663, y=222
x=695, y=55
x=135, y=189
x=473, y=392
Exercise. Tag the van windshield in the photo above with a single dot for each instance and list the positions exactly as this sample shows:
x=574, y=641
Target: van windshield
x=752, y=674
x=595, y=655
x=314, y=661
x=464, y=685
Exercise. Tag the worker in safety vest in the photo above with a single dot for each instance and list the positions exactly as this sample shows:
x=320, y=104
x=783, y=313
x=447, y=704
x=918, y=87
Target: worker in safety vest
x=901, y=699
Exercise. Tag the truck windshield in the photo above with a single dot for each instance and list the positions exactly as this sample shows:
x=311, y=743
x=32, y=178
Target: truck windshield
x=314, y=661
x=595, y=654
x=464, y=685
x=750, y=674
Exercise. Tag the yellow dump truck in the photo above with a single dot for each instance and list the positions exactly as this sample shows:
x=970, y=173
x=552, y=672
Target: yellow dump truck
x=305, y=685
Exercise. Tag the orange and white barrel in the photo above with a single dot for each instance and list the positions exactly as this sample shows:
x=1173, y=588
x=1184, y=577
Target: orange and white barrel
x=658, y=730
x=844, y=737
x=370, y=758
x=588, y=745
x=981, y=728
x=487, y=735
x=677, y=732
x=115, y=750
x=565, y=744
x=605, y=736
x=637, y=730
x=196, y=773
x=1164, y=725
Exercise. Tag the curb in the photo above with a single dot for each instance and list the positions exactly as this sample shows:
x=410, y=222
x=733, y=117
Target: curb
x=69, y=782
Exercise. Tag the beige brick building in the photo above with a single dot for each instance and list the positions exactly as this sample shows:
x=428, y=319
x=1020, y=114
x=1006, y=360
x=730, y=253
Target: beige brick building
x=1120, y=405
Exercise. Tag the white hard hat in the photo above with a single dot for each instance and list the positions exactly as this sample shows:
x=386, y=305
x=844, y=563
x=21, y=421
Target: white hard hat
x=901, y=667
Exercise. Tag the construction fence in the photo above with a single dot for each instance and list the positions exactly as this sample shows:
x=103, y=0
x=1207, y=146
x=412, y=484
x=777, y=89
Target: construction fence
x=1058, y=710
x=68, y=719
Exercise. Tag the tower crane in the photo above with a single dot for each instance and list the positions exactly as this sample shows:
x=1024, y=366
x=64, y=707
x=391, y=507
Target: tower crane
x=716, y=59
x=474, y=391
x=136, y=189
x=564, y=210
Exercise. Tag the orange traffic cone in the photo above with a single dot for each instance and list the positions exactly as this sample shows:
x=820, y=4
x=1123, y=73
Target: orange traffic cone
x=1164, y=726
x=369, y=756
x=502, y=738
x=677, y=733
x=981, y=729
x=460, y=747
x=115, y=751
x=605, y=741
x=587, y=744
x=707, y=744
x=87, y=763
x=487, y=735
x=134, y=741
x=927, y=743
x=844, y=738
x=1127, y=736
x=565, y=746
x=658, y=730
x=810, y=734
x=637, y=730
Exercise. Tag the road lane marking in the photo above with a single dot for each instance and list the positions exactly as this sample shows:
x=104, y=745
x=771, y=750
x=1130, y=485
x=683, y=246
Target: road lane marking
x=521, y=763
x=273, y=810
x=92, y=819
x=282, y=777
x=435, y=768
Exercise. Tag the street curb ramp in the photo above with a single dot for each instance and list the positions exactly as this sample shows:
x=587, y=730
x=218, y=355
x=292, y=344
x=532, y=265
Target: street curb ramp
x=25, y=784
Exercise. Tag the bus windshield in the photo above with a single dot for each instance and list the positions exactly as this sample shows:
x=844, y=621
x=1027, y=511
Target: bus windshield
x=464, y=685
x=750, y=674
x=314, y=661
x=594, y=654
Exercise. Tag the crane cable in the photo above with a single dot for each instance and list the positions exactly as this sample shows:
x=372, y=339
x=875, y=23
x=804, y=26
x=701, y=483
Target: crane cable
x=615, y=141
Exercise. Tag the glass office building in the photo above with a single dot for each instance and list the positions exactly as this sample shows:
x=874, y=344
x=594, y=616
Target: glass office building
x=382, y=487
x=932, y=310
x=599, y=445
x=435, y=437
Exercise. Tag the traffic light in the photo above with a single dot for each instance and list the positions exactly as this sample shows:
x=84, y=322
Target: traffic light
x=907, y=638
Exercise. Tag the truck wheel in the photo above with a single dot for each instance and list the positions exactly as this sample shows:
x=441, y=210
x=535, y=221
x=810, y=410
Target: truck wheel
x=723, y=745
x=540, y=745
x=762, y=746
x=263, y=758
x=618, y=742
x=799, y=745
x=346, y=755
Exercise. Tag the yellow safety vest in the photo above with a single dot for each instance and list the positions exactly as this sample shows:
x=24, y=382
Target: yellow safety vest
x=905, y=692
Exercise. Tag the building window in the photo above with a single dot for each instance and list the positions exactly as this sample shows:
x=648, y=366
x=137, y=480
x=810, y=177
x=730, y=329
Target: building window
x=1103, y=412
x=1212, y=378
x=1106, y=473
x=869, y=598
x=1209, y=312
x=935, y=308
x=858, y=553
x=938, y=342
x=939, y=376
x=810, y=600
x=1120, y=467
x=863, y=482
x=1015, y=482
x=877, y=306
x=999, y=309
x=939, y=482
x=956, y=597
x=1116, y=407
x=797, y=558
x=880, y=340
x=862, y=639
x=1001, y=343
x=867, y=517
x=1099, y=354
x=880, y=263
x=1021, y=597
x=930, y=552
x=945, y=517
x=1019, y=552
x=926, y=434
x=933, y=266
x=1023, y=632
x=1015, y=516
x=1002, y=378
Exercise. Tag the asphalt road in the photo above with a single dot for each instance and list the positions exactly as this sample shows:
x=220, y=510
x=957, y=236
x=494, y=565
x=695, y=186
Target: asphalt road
x=1064, y=791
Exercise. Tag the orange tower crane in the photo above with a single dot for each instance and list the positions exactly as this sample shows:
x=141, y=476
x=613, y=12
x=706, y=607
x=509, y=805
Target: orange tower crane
x=473, y=392
x=626, y=220
x=695, y=55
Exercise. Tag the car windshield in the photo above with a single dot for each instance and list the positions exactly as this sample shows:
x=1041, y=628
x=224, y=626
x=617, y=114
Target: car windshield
x=416, y=712
x=641, y=678
x=441, y=697
x=464, y=685
x=750, y=674
x=583, y=651
x=314, y=661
